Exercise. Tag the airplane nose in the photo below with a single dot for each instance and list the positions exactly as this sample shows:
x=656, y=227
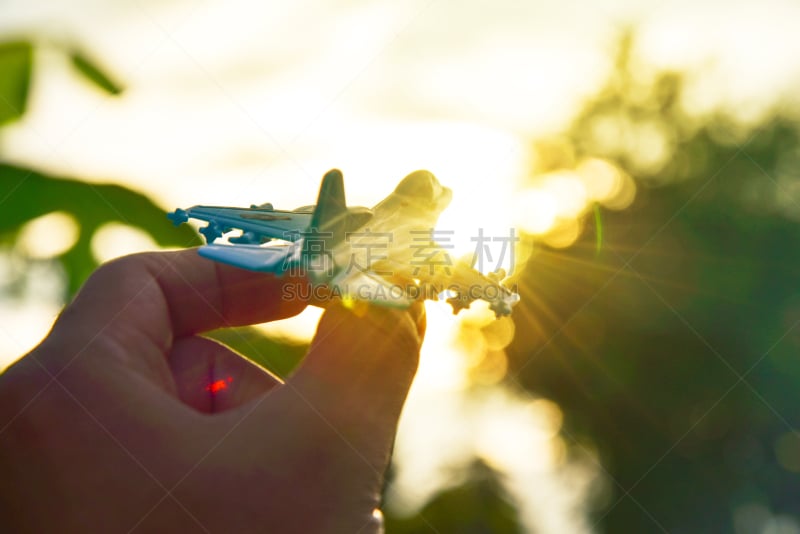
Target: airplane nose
x=422, y=190
x=421, y=185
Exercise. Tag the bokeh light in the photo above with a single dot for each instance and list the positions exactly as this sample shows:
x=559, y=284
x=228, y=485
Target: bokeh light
x=49, y=235
x=113, y=240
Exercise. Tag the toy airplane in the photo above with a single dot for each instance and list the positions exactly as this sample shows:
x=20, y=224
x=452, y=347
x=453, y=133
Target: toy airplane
x=356, y=252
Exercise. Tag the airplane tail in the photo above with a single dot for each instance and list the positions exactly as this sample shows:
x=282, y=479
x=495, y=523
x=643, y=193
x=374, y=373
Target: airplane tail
x=330, y=213
x=329, y=224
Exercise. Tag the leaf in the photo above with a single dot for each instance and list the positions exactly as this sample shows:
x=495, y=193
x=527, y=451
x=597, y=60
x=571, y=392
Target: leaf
x=16, y=58
x=598, y=228
x=278, y=356
x=94, y=73
x=26, y=194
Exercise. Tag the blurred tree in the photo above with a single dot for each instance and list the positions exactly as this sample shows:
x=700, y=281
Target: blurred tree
x=478, y=506
x=674, y=349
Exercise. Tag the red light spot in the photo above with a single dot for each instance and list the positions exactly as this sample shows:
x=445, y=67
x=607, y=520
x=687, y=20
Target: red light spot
x=217, y=386
x=230, y=379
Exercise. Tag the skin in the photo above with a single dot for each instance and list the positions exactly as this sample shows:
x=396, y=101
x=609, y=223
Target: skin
x=108, y=424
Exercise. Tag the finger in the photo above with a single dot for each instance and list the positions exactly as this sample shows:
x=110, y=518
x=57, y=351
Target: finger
x=356, y=357
x=212, y=378
x=355, y=378
x=159, y=296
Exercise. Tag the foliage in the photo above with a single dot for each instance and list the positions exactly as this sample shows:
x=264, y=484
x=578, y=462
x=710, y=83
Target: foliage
x=34, y=194
x=674, y=349
x=478, y=506
x=15, y=75
x=27, y=194
x=279, y=356
x=93, y=72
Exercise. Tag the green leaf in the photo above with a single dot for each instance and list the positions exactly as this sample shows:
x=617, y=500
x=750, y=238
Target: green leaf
x=598, y=228
x=278, y=356
x=92, y=72
x=26, y=194
x=16, y=59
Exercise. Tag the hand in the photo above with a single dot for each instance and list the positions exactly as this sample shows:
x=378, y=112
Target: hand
x=114, y=423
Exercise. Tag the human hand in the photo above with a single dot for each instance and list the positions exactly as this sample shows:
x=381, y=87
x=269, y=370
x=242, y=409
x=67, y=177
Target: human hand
x=110, y=424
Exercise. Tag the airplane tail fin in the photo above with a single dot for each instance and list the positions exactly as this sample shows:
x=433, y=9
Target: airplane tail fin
x=330, y=213
x=328, y=222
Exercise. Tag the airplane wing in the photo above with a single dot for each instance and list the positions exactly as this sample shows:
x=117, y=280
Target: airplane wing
x=257, y=223
x=464, y=285
x=273, y=259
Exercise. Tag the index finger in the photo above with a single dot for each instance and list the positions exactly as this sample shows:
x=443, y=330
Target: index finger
x=164, y=295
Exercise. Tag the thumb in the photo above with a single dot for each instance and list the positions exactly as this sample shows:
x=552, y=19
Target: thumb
x=357, y=373
x=323, y=439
